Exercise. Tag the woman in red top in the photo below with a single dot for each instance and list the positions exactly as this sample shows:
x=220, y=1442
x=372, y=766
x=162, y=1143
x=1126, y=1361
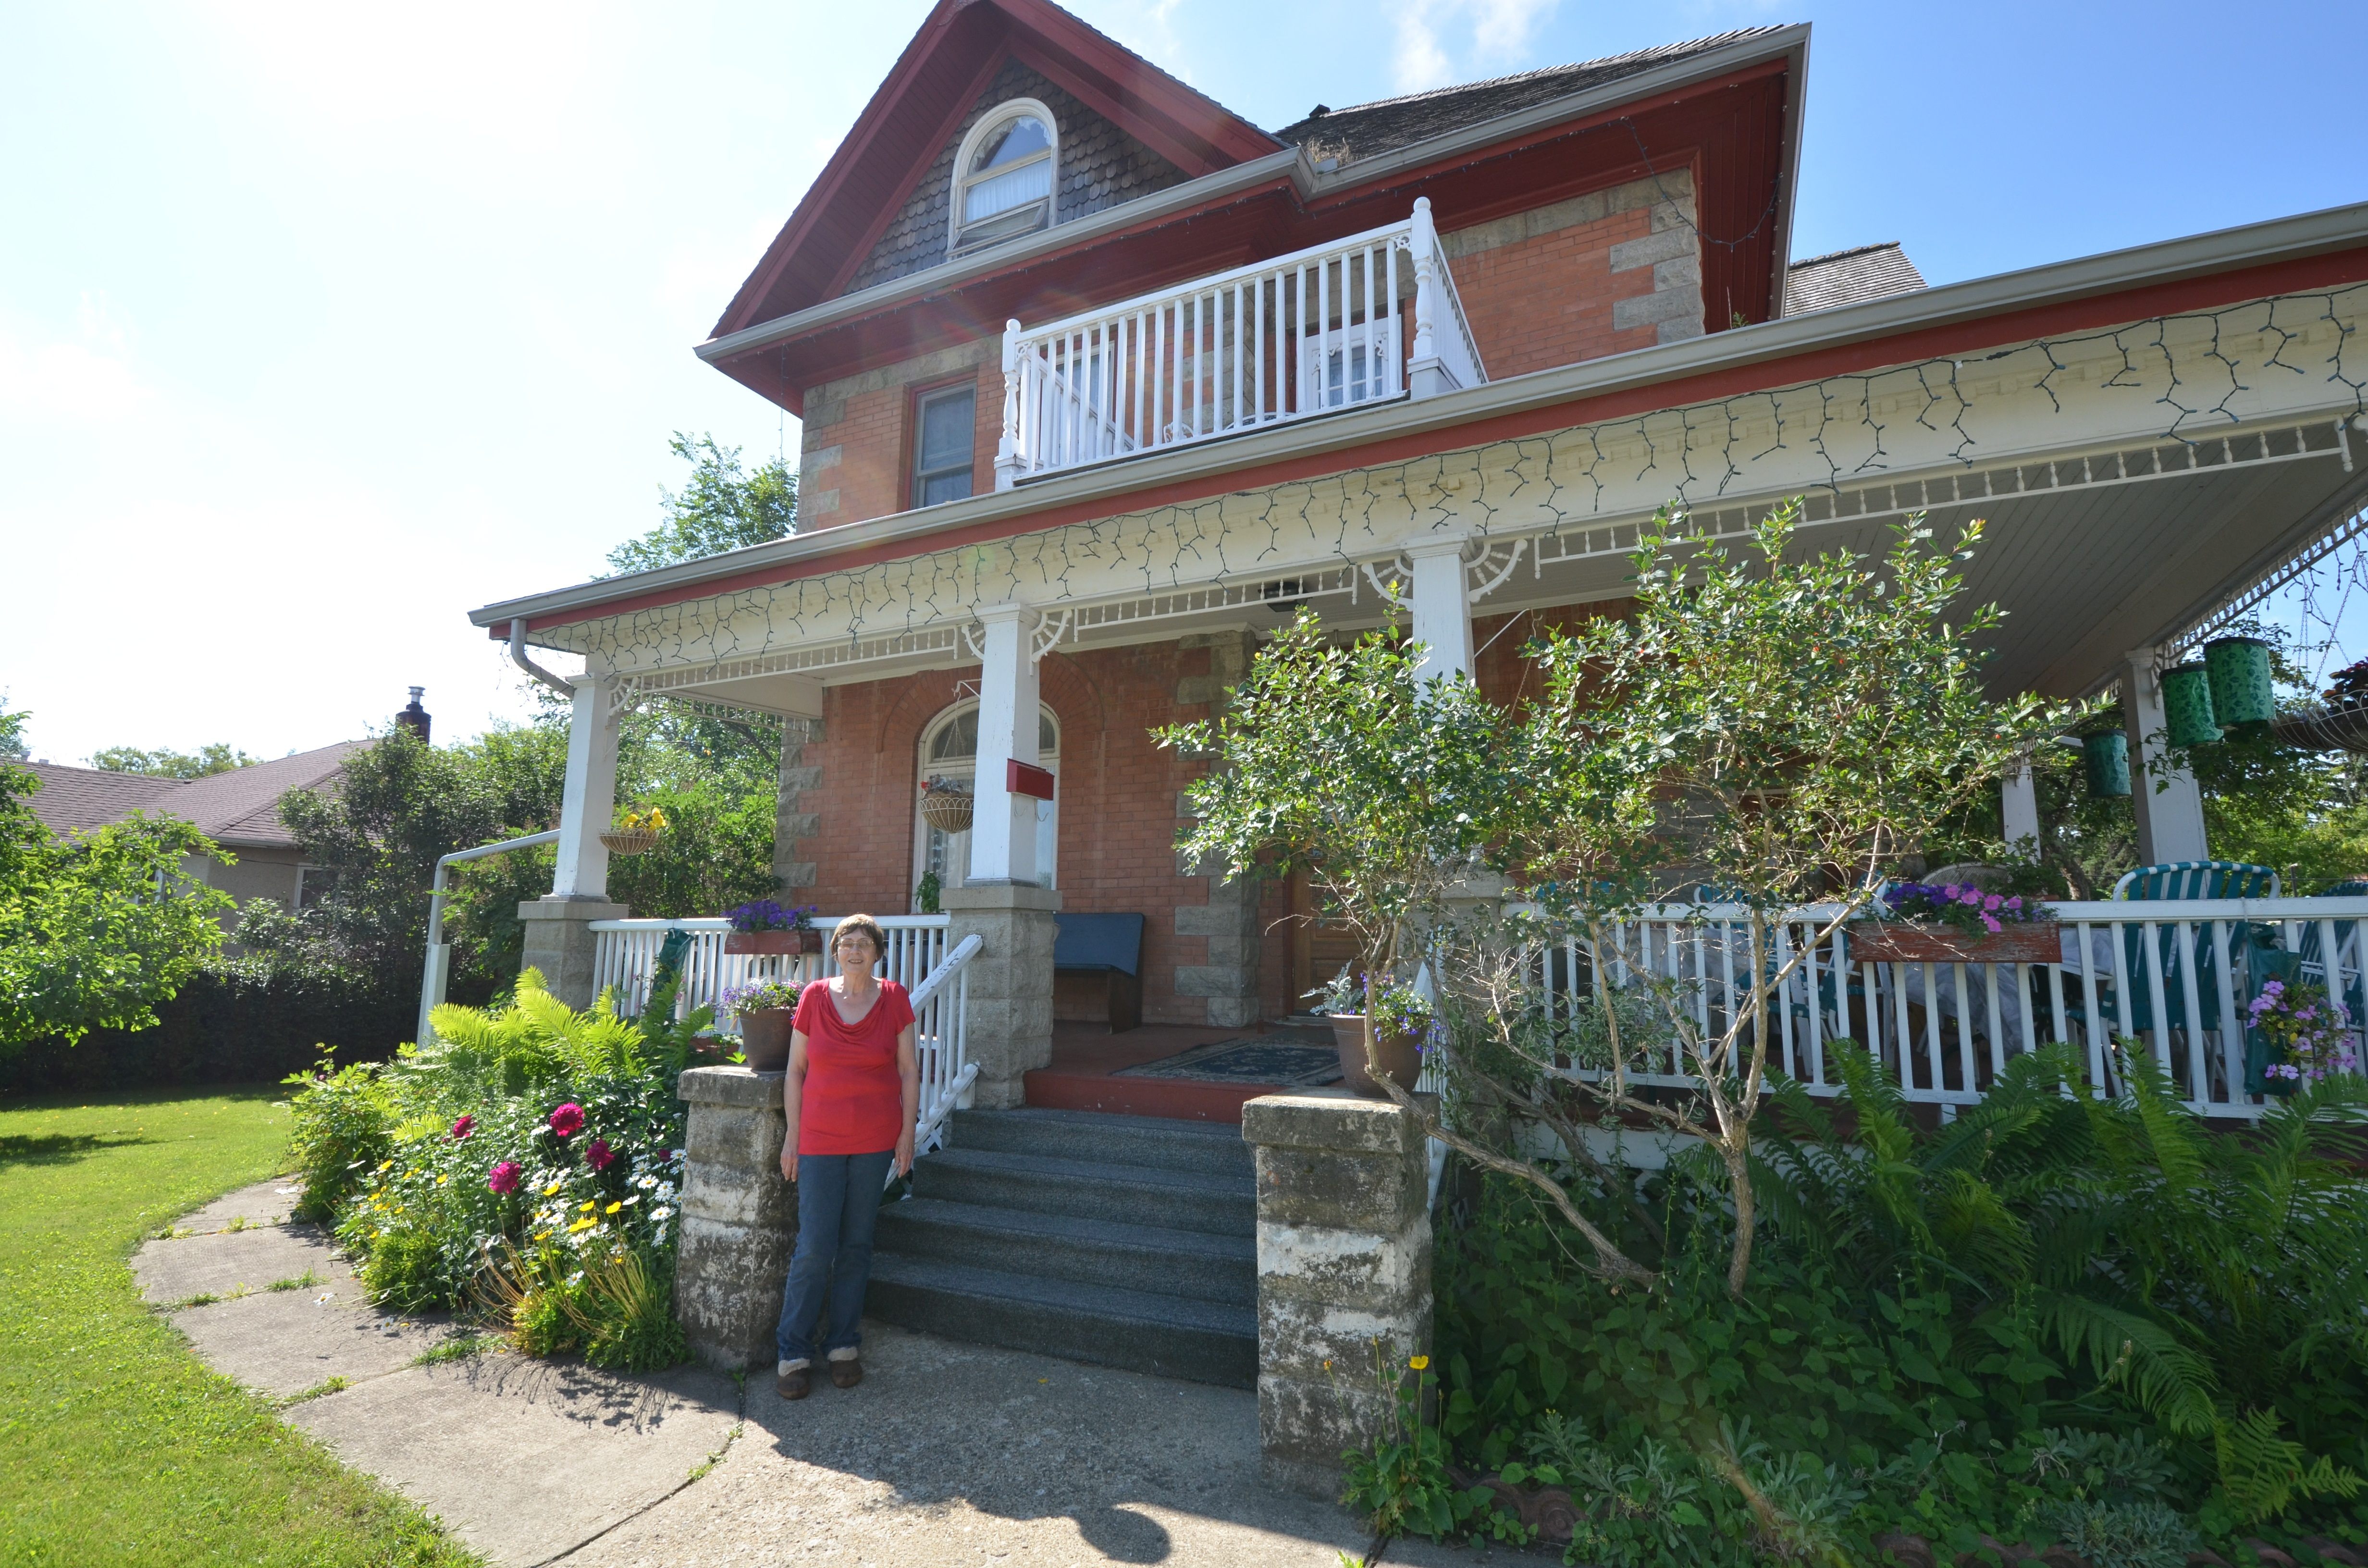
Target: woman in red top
x=852, y=1094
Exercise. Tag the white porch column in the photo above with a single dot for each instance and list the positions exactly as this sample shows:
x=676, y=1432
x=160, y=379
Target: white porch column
x=2019, y=800
x=1442, y=614
x=589, y=802
x=2170, y=821
x=559, y=937
x=1003, y=824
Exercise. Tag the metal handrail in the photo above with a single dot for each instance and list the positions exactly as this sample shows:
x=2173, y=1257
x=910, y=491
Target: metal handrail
x=439, y=969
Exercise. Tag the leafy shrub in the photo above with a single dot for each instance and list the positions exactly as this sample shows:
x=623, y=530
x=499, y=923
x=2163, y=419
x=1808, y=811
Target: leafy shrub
x=525, y=1164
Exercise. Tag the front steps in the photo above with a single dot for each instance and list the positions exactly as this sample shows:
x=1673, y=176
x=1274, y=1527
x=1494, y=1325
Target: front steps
x=1120, y=1240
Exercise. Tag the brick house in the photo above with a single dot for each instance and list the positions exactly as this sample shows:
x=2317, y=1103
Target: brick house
x=1095, y=378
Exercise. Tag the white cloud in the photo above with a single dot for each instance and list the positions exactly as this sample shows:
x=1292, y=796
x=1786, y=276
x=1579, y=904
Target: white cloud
x=1440, y=42
x=90, y=379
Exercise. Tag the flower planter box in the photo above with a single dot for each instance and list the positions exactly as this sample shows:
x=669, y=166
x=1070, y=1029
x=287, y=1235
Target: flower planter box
x=1900, y=941
x=1401, y=1060
x=772, y=944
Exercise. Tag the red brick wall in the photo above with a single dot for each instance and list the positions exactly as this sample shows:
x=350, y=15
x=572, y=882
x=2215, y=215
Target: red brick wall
x=872, y=428
x=1544, y=301
x=1117, y=790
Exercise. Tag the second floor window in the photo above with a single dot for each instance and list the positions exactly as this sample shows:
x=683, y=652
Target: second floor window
x=944, y=425
x=1003, y=178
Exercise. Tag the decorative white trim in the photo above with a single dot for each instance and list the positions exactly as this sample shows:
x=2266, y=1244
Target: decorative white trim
x=992, y=119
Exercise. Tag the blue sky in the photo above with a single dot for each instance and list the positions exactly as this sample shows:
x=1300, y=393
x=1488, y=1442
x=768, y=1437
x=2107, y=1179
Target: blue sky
x=320, y=325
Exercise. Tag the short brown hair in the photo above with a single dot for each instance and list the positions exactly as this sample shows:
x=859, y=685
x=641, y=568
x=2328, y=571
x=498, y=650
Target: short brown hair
x=861, y=924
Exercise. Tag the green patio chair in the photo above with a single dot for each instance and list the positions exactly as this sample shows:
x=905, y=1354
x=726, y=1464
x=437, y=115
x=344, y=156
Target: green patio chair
x=2184, y=879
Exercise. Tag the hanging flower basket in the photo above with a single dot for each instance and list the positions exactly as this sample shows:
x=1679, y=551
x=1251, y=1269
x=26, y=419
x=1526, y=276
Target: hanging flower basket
x=2334, y=726
x=1901, y=941
x=639, y=841
x=947, y=811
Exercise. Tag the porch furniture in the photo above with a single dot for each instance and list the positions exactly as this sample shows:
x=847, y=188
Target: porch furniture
x=1098, y=968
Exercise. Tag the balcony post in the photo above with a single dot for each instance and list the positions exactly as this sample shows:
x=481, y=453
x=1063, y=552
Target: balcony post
x=1002, y=823
x=2170, y=818
x=1007, y=450
x=1443, y=610
x=1426, y=375
x=2019, y=805
x=559, y=939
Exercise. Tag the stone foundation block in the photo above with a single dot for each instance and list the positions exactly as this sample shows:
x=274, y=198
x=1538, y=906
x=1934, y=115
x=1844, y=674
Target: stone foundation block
x=1344, y=1254
x=1010, y=1029
x=739, y=1217
x=559, y=942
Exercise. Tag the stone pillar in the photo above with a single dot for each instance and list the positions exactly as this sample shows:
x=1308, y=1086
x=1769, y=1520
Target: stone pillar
x=1443, y=611
x=559, y=941
x=2018, y=806
x=1010, y=1021
x=739, y=1217
x=2170, y=820
x=1003, y=821
x=793, y=823
x=1343, y=1261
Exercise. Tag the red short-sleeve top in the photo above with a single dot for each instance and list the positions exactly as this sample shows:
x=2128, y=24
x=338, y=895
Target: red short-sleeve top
x=853, y=1101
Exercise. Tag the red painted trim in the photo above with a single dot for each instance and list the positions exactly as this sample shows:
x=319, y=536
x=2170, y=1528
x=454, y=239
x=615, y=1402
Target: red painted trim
x=1023, y=779
x=2326, y=270
x=961, y=102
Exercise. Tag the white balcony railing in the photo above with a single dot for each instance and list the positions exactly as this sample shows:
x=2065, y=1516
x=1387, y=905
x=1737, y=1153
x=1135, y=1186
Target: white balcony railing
x=2175, y=976
x=1319, y=330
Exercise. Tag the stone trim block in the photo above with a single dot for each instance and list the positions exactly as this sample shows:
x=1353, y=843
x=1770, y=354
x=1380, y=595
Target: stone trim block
x=1010, y=1012
x=739, y=1217
x=559, y=941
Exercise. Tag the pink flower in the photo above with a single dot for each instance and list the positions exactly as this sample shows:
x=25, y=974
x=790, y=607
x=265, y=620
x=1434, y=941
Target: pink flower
x=1991, y=922
x=568, y=1119
x=504, y=1178
x=599, y=1156
x=463, y=1127
x=1993, y=903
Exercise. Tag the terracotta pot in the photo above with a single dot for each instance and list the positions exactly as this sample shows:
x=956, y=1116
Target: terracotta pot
x=1401, y=1062
x=772, y=944
x=1900, y=941
x=635, y=843
x=765, y=1038
x=947, y=810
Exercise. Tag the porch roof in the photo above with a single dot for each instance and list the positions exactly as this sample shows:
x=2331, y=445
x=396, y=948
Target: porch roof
x=2118, y=519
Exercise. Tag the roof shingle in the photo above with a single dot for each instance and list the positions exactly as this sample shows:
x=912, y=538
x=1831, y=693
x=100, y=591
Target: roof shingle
x=237, y=808
x=1849, y=277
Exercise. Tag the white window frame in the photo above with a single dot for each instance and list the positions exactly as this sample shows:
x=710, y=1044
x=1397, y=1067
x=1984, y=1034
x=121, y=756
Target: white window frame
x=957, y=844
x=989, y=122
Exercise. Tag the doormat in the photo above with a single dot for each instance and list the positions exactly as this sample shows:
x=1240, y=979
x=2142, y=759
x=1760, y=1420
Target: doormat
x=1261, y=1060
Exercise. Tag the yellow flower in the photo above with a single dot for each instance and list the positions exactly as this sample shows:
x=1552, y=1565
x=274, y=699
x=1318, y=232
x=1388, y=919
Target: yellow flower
x=386, y=1164
x=612, y=1209
x=543, y=1235
x=590, y=1204
x=442, y=1179
x=581, y=1225
x=1419, y=1362
x=552, y=1190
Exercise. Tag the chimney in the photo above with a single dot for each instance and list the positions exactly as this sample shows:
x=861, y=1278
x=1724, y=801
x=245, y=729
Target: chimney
x=415, y=717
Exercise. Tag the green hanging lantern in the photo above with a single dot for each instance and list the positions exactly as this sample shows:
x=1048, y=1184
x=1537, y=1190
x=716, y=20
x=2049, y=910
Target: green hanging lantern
x=2187, y=708
x=2243, y=697
x=2108, y=756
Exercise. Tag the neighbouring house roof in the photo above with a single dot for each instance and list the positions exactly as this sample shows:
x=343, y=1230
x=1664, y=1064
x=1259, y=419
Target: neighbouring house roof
x=1849, y=277
x=239, y=809
x=1365, y=130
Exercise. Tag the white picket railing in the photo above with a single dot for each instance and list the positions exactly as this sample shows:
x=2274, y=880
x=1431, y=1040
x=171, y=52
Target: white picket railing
x=941, y=1042
x=2176, y=975
x=1310, y=332
x=625, y=952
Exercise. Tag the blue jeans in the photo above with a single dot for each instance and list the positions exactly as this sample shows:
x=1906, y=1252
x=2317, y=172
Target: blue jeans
x=838, y=1206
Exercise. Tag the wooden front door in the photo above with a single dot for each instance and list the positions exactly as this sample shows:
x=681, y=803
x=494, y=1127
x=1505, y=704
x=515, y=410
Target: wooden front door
x=1318, y=948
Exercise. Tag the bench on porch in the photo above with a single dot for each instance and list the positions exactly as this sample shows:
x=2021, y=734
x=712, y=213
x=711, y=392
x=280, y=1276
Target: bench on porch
x=1098, y=968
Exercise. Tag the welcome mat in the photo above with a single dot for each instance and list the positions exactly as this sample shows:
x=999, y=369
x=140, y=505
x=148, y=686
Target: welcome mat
x=1261, y=1060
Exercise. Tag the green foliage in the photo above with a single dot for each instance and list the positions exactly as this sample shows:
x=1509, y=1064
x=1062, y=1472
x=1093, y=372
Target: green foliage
x=722, y=507
x=205, y=762
x=1399, y=1479
x=526, y=1162
x=2262, y=1475
x=96, y=928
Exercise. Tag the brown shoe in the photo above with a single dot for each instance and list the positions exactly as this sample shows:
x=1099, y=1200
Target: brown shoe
x=846, y=1374
x=795, y=1383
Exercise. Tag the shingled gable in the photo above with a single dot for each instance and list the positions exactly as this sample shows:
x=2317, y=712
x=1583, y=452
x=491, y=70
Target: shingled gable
x=954, y=59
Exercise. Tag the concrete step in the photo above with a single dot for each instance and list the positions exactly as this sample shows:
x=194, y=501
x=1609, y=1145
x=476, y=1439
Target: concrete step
x=1174, y=1337
x=1127, y=1195
x=1062, y=1246
x=1215, y=1148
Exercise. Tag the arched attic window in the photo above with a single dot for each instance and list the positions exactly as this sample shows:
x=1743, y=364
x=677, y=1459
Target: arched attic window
x=1003, y=175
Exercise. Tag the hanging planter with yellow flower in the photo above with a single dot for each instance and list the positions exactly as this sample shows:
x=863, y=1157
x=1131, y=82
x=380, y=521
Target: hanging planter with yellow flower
x=636, y=833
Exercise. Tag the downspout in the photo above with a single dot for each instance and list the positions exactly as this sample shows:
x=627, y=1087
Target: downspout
x=440, y=951
x=517, y=657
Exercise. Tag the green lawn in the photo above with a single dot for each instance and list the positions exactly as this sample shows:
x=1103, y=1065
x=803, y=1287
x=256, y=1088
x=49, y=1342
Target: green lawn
x=122, y=1447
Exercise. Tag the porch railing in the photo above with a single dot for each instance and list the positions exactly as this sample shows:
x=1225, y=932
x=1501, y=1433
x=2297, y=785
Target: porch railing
x=2176, y=975
x=1318, y=330
x=941, y=1041
x=625, y=952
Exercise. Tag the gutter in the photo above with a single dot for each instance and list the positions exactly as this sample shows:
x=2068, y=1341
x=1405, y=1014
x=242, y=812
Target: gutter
x=2229, y=250
x=1291, y=163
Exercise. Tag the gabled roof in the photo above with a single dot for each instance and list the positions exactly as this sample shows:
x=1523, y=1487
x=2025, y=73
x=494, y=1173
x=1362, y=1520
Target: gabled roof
x=1849, y=277
x=239, y=809
x=1364, y=130
x=902, y=129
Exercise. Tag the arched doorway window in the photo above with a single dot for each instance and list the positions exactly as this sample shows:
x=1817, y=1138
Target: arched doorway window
x=1003, y=176
x=949, y=751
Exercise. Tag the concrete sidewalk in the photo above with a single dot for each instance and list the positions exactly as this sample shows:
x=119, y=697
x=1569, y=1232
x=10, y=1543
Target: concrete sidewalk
x=948, y=1453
